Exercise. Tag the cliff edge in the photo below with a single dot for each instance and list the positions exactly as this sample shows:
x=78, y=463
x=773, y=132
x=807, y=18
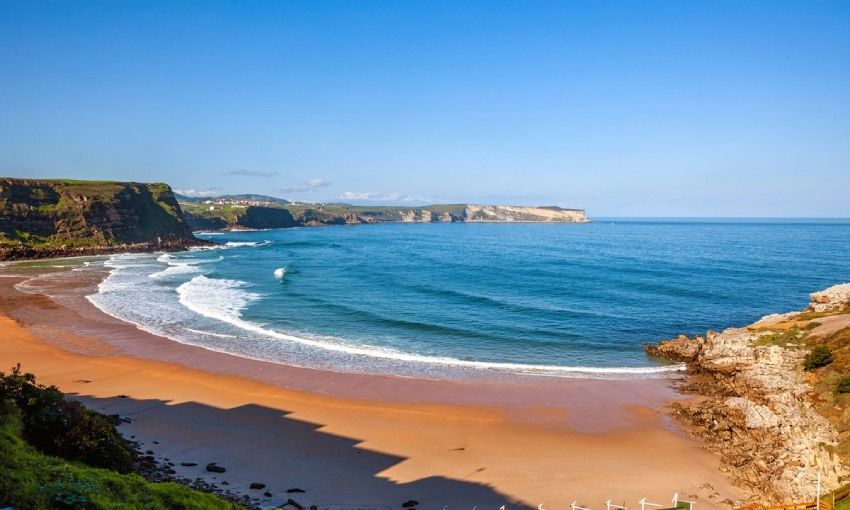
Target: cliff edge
x=233, y=214
x=53, y=218
x=773, y=398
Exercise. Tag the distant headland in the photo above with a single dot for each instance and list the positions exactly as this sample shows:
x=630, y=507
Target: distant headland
x=63, y=217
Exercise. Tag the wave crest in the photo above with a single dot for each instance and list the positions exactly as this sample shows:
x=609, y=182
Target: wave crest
x=224, y=300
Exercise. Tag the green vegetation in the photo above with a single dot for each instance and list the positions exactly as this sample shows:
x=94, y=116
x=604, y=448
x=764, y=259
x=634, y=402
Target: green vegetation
x=31, y=479
x=793, y=336
x=832, y=383
x=820, y=356
x=201, y=217
x=64, y=428
x=65, y=215
x=843, y=385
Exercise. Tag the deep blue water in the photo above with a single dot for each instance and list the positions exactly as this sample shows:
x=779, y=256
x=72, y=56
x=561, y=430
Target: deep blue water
x=437, y=299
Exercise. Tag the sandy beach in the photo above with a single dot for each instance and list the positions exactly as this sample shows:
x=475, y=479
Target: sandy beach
x=355, y=441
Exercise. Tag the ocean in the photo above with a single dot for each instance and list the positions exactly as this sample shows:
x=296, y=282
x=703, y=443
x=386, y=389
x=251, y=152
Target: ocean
x=468, y=299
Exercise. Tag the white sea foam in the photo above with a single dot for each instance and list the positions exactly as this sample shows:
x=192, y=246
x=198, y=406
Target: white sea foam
x=239, y=244
x=216, y=298
x=230, y=244
x=208, y=313
x=210, y=333
x=224, y=300
x=280, y=272
x=174, y=270
x=180, y=266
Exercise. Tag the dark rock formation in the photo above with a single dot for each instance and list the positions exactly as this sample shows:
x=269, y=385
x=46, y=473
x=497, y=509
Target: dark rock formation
x=681, y=348
x=199, y=222
x=257, y=217
x=212, y=467
x=52, y=218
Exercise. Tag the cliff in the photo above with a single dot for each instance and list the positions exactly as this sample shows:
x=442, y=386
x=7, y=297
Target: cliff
x=209, y=215
x=51, y=218
x=508, y=213
x=770, y=399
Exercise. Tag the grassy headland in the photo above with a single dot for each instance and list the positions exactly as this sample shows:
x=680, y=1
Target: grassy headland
x=44, y=217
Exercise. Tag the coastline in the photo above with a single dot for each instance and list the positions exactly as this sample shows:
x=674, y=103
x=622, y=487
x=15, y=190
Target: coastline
x=16, y=253
x=361, y=439
x=771, y=410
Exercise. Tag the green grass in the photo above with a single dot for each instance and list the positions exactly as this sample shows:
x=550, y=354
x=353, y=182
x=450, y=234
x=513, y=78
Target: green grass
x=784, y=337
x=30, y=480
x=819, y=356
x=844, y=504
x=67, y=214
x=44, y=439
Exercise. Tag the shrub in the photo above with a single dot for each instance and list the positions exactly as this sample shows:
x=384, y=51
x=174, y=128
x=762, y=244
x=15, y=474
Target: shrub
x=820, y=356
x=31, y=480
x=843, y=385
x=64, y=428
x=66, y=492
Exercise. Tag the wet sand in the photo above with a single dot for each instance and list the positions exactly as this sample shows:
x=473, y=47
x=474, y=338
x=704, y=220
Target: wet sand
x=356, y=441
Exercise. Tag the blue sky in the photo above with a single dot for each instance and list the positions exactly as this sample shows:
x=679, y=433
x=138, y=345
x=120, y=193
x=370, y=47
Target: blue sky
x=623, y=108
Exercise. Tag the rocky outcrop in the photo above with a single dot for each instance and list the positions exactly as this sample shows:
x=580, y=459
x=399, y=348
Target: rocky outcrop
x=830, y=300
x=509, y=213
x=266, y=217
x=41, y=218
x=198, y=222
x=416, y=216
x=754, y=407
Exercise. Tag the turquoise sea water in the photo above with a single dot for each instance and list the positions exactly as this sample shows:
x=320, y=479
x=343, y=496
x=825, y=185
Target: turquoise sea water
x=462, y=299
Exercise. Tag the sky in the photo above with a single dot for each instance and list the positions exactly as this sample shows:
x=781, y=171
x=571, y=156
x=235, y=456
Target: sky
x=715, y=108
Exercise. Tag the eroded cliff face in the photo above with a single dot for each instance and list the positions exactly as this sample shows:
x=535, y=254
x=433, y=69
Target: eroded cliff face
x=509, y=213
x=60, y=218
x=218, y=218
x=756, y=404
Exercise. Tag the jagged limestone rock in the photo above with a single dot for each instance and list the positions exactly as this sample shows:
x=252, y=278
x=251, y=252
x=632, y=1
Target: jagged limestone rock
x=755, y=409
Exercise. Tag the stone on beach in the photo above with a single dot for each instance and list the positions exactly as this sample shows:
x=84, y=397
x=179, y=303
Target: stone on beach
x=212, y=467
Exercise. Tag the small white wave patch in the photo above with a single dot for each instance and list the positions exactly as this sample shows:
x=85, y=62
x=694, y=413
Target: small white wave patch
x=280, y=272
x=230, y=244
x=239, y=244
x=210, y=333
x=216, y=298
x=180, y=266
x=176, y=269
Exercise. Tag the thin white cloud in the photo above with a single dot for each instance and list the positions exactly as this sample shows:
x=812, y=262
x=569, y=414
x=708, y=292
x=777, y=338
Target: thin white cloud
x=252, y=173
x=381, y=197
x=303, y=187
x=192, y=192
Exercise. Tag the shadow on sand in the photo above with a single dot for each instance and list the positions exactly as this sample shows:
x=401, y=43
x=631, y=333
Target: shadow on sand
x=265, y=445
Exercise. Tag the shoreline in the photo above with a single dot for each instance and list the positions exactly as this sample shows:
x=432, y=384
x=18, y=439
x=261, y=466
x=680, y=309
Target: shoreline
x=23, y=253
x=397, y=364
x=439, y=442
x=775, y=416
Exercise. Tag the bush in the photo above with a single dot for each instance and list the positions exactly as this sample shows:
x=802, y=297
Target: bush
x=31, y=480
x=64, y=428
x=820, y=356
x=66, y=492
x=843, y=385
